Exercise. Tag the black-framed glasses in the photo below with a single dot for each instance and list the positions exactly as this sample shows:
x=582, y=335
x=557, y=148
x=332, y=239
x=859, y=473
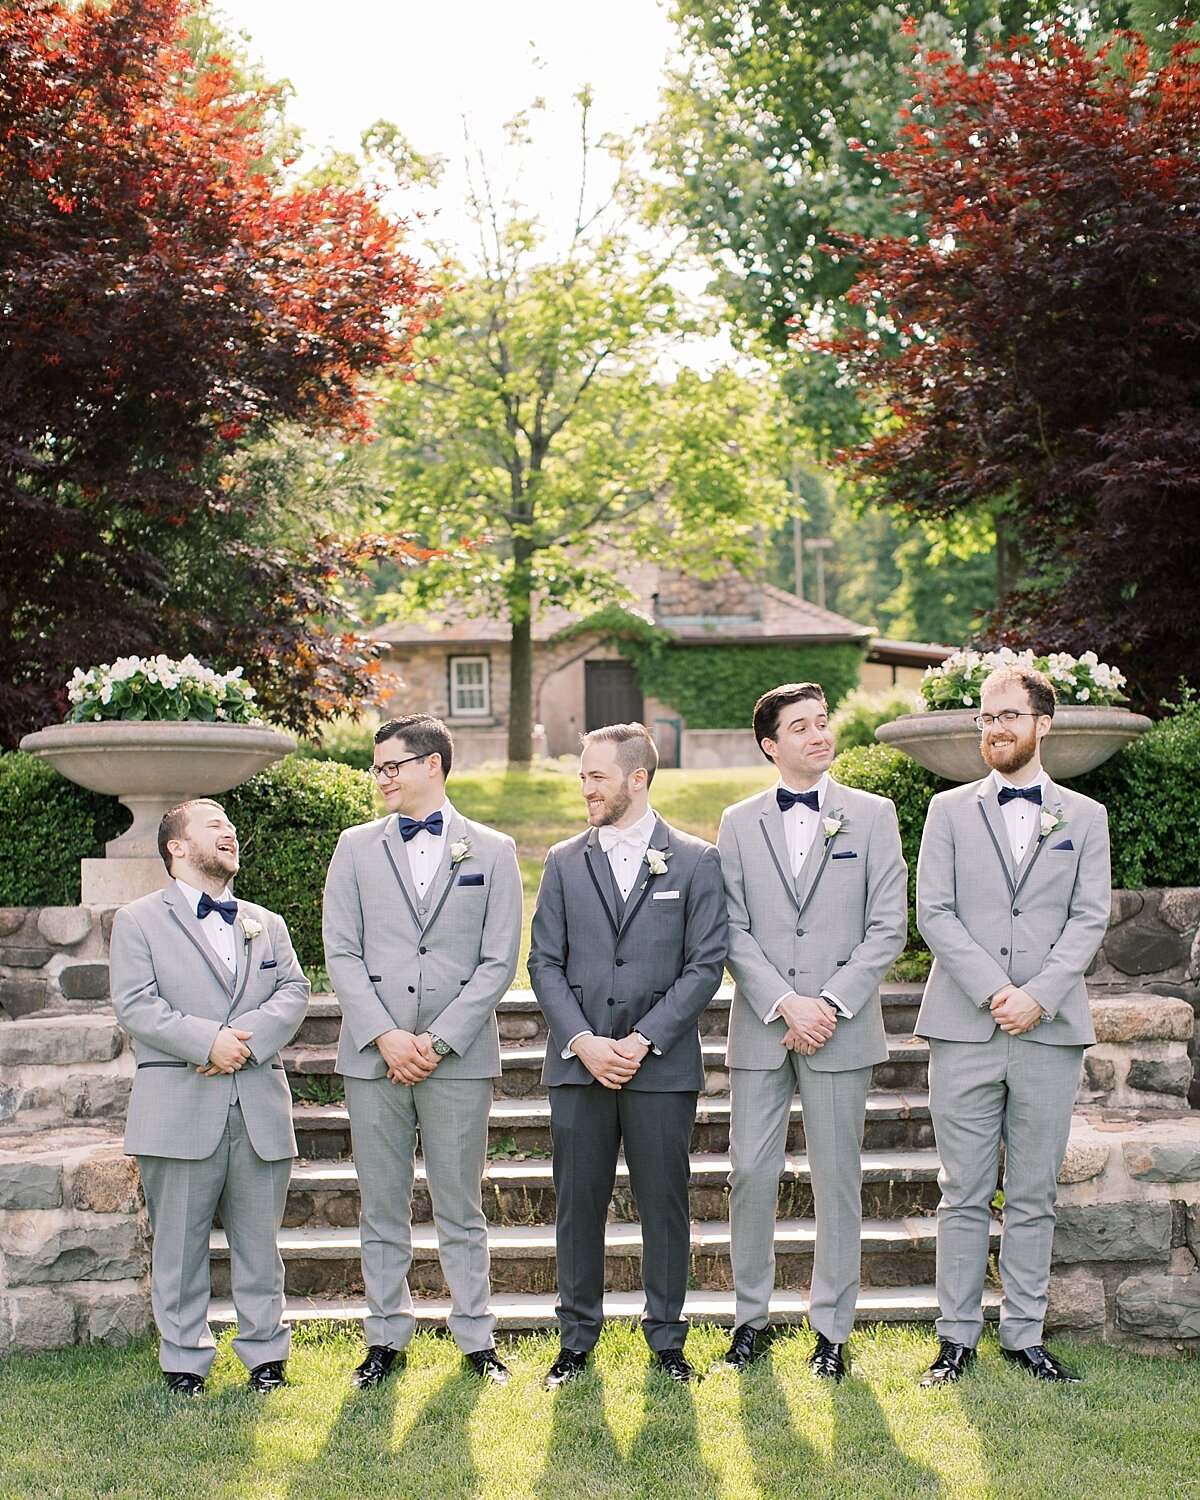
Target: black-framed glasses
x=1005, y=716
x=391, y=768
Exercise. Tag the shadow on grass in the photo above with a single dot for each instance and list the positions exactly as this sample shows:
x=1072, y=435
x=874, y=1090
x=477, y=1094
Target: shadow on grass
x=668, y=1442
x=581, y=1445
x=779, y=1453
x=863, y=1445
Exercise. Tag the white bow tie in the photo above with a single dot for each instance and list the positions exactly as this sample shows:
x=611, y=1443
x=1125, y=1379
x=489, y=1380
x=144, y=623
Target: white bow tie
x=614, y=838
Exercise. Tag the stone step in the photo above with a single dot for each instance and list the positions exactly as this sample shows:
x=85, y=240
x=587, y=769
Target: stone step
x=519, y=1313
x=896, y=1184
x=906, y=1069
x=894, y=1122
x=325, y=1262
x=520, y=1018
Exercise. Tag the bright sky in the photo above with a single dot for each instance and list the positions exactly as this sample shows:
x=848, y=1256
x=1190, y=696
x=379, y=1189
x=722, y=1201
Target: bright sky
x=428, y=67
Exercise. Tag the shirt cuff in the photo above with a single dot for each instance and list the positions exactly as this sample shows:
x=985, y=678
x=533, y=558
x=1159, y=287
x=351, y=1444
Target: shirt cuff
x=837, y=1005
x=646, y=1042
x=568, y=1052
x=774, y=1013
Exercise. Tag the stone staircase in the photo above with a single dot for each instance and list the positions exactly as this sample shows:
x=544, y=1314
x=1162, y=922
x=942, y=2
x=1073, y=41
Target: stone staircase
x=320, y=1242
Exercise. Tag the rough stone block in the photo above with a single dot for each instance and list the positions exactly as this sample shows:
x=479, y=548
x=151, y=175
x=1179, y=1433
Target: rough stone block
x=1124, y=904
x=11, y=1100
x=46, y=1040
x=1180, y=908
x=1076, y=1302
x=64, y=926
x=23, y=957
x=1192, y=1228
x=84, y=979
x=1086, y=1158
x=29, y=1184
x=31, y=1321
x=1160, y=1307
x=22, y=997
x=112, y=1312
x=96, y=1096
x=1144, y=945
x=1174, y=1159
x=1139, y=1017
x=47, y=1247
x=1127, y=1231
x=107, y=1183
x=1099, y=1074
x=1169, y=1076
x=12, y=919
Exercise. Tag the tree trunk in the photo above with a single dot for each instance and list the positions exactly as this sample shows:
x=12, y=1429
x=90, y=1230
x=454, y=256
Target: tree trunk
x=520, y=668
x=1008, y=554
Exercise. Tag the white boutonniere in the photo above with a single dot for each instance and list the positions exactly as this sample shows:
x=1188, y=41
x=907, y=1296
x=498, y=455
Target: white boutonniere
x=250, y=927
x=656, y=860
x=834, y=824
x=1052, y=820
x=459, y=850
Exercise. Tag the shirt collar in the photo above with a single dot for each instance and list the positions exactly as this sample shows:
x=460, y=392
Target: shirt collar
x=640, y=832
x=999, y=782
x=192, y=896
x=821, y=787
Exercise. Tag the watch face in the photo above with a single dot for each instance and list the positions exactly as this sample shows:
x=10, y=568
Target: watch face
x=440, y=1047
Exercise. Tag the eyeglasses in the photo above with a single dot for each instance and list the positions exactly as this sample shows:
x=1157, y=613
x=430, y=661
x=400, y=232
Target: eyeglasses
x=391, y=768
x=1006, y=716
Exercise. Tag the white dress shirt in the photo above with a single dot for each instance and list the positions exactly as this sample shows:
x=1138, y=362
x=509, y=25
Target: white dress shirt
x=802, y=829
x=1022, y=818
x=425, y=851
x=221, y=935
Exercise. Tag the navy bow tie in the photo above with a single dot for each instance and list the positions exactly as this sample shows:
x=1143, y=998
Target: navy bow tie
x=228, y=909
x=788, y=799
x=1030, y=793
x=410, y=827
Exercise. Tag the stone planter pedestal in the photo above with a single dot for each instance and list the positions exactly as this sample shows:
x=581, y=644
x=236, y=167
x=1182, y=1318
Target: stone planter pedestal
x=946, y=741
x=150, y=767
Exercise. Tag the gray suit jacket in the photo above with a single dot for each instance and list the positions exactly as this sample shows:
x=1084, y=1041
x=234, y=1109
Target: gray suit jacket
x=442, y=964
x=989, y=924
x=652, y=970
x=173, y=995
x=843, y=928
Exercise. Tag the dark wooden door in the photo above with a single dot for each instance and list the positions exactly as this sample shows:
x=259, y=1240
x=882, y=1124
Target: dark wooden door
x=611, y=694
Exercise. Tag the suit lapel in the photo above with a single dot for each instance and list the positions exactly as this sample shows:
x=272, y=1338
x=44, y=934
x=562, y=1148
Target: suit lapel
x=658, y=840
x=393, y=847
x=592, y=854
x=1049, y=792
x=454, y=830
x=813, y=868
x=243, y=968
x=190, y=924
x=989, y=810
x=771, y=824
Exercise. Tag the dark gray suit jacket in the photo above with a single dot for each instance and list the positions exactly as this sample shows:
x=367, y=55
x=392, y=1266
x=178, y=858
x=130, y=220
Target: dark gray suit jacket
x=652, y=970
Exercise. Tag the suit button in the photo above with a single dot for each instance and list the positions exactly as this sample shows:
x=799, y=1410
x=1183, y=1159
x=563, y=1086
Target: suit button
x=611, y=1001
x=1004, y=953
x=422, y=950
x=799, y=931
x=620, y=961
x=412, y=989
x=1016, y=912
x=791, y=973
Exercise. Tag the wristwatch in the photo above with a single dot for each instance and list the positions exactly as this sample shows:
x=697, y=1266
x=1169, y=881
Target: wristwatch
x=440, y=1047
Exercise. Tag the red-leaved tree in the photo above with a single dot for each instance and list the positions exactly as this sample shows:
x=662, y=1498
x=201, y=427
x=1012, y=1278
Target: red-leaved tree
x=1048, y=309
x=165, y=297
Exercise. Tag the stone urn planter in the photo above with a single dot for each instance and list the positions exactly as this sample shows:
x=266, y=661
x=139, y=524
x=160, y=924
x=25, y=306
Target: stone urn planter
x=946, y=741
x=149, y=766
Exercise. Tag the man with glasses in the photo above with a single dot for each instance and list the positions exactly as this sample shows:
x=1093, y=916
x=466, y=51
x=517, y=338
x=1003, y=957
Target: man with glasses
x=422, y=926
x=1013, y=900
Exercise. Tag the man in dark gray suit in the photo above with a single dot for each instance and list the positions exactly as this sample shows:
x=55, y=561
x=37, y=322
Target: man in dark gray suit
x=210, y=989
x=422, y=925
x=628, y=949
x=1013, y=899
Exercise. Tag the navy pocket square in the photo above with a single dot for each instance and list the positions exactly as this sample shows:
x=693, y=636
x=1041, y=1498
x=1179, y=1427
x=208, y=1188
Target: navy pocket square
x=1066, y=844
x=470, y=880
x=845, y=854
x=269, y=963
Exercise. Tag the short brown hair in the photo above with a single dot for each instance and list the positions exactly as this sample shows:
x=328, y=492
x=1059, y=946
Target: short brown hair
x=1040, y=690
x=423, y=734
x=635, y=748
x=174, y=821
x=772, y=704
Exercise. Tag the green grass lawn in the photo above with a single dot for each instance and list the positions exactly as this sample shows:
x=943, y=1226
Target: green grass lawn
x=86, y=1423
x=540, y=806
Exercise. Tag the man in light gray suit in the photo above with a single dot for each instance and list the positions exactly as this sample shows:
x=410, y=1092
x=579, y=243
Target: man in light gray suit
x=422, y=926
x=628, y=947
x=210, y=989
x=1013, y=899
x=816, y=884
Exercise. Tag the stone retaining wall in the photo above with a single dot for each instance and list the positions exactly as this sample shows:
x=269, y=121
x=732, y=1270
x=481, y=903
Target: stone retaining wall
x=53, y=959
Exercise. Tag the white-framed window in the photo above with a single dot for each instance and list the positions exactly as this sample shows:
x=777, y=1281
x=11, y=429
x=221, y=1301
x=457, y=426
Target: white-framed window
x=470, y=687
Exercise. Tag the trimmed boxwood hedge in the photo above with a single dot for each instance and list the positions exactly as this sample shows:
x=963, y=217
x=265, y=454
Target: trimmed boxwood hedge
x=47, y=825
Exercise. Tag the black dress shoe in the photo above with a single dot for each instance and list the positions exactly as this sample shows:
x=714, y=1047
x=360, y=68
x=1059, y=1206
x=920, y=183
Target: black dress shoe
x=743, y=1350
x=1041, y=1364
x=182, y=1383
x=377, y=1366
x=268, y=1377
x=567, y=1366
x=951, y=1362
x=488, y=1364
x=827, y=1361
x=675, y=1367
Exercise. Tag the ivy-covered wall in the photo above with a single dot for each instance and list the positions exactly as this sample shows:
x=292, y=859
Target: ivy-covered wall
x=716, y=687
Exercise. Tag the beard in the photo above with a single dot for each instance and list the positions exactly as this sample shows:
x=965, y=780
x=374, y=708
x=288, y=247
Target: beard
x=1009, y=758
x=217, y=866
x=616, y=806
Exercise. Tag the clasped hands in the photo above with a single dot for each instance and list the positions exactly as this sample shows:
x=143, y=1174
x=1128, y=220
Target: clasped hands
x=229, y=1053
x=1014, y=1011
x=610, y=1062
x=410, y=1057
x=811, y=1021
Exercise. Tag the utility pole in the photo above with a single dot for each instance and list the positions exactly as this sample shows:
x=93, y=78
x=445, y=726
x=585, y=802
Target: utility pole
x=797, y=530
x=819, y=545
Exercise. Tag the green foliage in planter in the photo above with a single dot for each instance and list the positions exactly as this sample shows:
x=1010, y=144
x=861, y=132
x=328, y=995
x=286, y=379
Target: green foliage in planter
x=1152, y=792
x=288, y=819
x=717, y=686
x=889, y=773
x=47, y=825
x=861, y=713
